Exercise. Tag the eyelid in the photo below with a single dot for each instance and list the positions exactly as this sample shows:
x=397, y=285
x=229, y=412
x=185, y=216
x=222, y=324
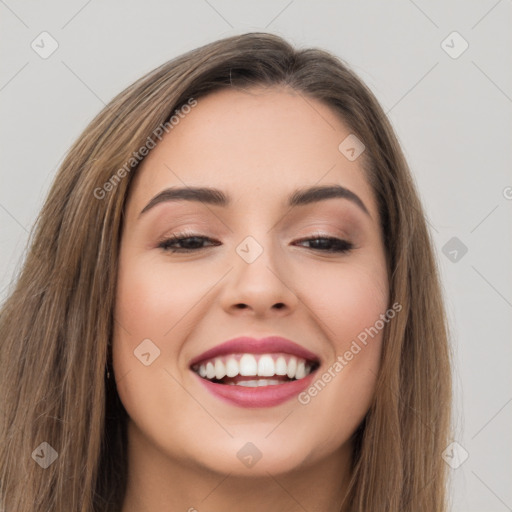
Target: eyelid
x=341, y=245
x=343, y=241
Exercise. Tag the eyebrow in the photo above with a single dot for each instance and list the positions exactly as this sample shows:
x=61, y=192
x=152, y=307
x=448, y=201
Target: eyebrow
x=217, y=197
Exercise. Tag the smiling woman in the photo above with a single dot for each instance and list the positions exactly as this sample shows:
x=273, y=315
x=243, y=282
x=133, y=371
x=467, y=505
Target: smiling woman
x=251, y=319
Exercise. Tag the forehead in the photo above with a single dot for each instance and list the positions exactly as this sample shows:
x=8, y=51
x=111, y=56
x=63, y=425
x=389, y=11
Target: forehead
x=265, y=141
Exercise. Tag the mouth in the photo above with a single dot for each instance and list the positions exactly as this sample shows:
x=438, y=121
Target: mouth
x=247, y=372
x=255, y=370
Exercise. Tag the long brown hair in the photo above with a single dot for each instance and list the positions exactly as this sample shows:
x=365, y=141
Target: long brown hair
x=56, y=324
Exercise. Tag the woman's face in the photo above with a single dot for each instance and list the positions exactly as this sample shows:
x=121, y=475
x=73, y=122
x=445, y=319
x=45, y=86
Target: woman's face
x=256, y=266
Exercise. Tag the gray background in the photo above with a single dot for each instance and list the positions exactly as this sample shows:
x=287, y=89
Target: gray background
x=452, y=116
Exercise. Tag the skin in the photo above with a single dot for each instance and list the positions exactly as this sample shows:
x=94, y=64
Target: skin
x=258, y=146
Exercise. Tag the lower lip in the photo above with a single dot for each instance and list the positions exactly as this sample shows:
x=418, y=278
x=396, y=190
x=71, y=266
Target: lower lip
x=261, y=396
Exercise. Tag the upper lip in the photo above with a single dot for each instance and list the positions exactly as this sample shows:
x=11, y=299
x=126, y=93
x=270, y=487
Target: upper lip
x=248, y=345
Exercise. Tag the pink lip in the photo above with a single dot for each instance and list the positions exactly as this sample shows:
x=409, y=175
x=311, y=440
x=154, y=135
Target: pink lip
x=272, y=344
x=264, y=396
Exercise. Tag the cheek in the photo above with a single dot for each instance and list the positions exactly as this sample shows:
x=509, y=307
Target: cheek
x=157, y=301
x=154, y=301
x=349, y=305
x=153, y=297
x=347, y=300
x=146, y=308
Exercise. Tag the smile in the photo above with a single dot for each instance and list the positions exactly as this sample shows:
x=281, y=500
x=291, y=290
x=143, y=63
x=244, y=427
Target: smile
x=254, y=370
x=250, y=372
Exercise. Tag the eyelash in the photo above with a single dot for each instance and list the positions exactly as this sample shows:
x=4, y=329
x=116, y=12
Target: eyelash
x=343, y=246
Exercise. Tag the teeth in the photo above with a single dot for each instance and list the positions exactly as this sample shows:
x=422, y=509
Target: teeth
x=249, y=365
x=220, y=369
x=256, y=383
x=266, y=366
x=281, y=367
x=210, y=370
x=301, y=370
x=292, y=367
x=232, y=368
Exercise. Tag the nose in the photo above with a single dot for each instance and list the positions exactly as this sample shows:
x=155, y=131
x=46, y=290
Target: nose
x=259, y=288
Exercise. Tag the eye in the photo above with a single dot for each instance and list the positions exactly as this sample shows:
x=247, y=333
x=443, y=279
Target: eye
x=328, y=244
x=188, y=242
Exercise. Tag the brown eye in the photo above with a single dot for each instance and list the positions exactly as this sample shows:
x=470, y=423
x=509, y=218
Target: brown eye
x=184, y=242
x=328, y=244
x=189, y=242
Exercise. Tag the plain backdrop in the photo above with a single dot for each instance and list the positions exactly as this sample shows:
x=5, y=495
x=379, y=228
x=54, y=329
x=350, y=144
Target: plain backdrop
x=440, y=69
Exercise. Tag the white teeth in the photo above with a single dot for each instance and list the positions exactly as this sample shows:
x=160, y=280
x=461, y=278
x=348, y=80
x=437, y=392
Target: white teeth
x=232, y=367
x=292, y=367
x=281, y=367
x=301, y=370
x=254, y=365
x=266, y=366
x=210, y=370
x=220, y=370
x=257, y=383
x=248, y=365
